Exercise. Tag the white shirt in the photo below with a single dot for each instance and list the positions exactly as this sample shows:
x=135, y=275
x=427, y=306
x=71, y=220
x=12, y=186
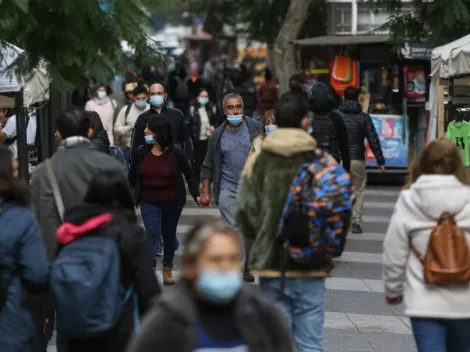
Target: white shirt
x=205, y=124
x=124, y=125
x=10, y=131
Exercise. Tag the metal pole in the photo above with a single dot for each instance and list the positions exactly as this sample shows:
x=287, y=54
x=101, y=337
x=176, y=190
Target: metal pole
x=21, y=141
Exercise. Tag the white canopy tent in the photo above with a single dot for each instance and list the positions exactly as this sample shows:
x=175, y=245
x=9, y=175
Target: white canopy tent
x=447, y=61
x=35, y=86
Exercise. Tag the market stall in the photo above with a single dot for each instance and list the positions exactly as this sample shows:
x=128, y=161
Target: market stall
x=449, y=61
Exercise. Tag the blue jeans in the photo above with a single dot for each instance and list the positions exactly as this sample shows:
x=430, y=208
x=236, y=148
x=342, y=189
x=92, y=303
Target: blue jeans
x=161, y=220
x=303, y=305
x=123, y=156
x=441, y=335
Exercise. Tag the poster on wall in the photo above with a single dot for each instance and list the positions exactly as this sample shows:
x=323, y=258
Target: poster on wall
x=343, y=73
x=392, y=139
x=415, y=84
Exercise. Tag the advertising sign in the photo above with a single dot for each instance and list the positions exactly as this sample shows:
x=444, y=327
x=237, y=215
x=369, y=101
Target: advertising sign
x=415, y=78
x=393, y=140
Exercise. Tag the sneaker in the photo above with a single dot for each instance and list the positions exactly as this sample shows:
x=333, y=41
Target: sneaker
x=356, y=228
x=167, y=274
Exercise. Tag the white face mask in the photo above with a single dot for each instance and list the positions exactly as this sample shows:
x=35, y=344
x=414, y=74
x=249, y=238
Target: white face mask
x=102, y=94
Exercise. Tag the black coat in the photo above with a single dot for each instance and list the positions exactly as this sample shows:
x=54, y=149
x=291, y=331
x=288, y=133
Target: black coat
x=195, y=122
x=178, y=128
x=180, y=165
x=136, y=269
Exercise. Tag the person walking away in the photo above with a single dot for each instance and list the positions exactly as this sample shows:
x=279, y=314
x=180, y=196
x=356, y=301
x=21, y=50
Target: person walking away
x=125, y=122
x=24, y=272
x=158, y=103
x=105, y=107
x=426, y=258
x=328, y=127
x=75, y=164
x=278, y=195
x=240, y=82
x=360, y=127
x=202, y=124
x=227, y=152
x=156, y=176
x=180, y=92
x=268, y=96
x=210, y=303
x=97, y=133
x=296, y=85
x=104, y=231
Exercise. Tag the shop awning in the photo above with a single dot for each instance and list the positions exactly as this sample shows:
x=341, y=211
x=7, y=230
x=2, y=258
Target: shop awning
x=328, y=40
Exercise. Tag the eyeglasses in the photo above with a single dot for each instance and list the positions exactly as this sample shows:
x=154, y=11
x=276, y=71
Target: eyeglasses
x=231, y=107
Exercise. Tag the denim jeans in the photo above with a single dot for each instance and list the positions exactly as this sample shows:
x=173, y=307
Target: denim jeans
x=303, y=305
x=161, y=220
x=441, y=335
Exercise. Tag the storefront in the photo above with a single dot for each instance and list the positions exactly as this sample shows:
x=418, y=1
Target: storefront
x=393, y=86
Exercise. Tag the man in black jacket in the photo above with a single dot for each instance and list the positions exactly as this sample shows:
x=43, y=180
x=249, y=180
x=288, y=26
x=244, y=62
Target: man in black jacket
x=359, y=126
x=158, y=97
x=321, y=105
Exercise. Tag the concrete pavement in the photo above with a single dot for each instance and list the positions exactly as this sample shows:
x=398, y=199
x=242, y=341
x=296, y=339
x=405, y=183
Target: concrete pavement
x=357, y=317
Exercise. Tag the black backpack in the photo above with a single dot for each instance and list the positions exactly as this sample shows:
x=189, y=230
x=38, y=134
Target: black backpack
x=324, y=132
x=182, y=89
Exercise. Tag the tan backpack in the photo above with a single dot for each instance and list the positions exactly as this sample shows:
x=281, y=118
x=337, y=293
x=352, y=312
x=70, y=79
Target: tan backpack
x=447, y=258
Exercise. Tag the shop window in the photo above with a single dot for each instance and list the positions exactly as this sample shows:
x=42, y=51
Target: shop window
x=340, y=17
x=369, y=20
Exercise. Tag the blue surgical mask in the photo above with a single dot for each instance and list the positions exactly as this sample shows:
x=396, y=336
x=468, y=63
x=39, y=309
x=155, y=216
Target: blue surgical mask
x=219, y=287
x=202, y=100
x=141, y=104
x=156, y=101
x=235, y=120
x=270, y=128
x=102, y=94
x=149, y=139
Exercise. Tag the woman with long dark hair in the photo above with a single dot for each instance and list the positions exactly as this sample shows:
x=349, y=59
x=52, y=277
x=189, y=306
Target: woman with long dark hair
x=108, y=212
x=157, y=170
x=202, y=122
x=23, y=262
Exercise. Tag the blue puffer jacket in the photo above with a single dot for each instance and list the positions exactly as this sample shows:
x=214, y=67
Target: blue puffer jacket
x=22, y=250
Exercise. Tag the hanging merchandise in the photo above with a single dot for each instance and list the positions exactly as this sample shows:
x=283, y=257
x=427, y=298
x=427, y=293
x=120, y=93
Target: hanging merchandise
x=458, y=132
x=343, y=73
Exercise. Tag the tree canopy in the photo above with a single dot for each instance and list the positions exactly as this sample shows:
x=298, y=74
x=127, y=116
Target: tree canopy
x=78, y=38
x=439, y=21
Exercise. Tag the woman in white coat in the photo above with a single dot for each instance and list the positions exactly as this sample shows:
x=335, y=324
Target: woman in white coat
x=440, y=315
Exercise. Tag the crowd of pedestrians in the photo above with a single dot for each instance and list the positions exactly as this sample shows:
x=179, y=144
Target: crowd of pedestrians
x=287, y=174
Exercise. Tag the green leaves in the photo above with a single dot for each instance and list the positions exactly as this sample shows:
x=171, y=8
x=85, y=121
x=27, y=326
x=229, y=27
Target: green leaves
x=78, y=38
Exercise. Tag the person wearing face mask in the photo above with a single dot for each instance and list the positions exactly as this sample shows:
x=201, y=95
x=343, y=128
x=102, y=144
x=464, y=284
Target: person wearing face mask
x=201, y=125
x=228, y=149
x=210, y=309
x=269, y=122
x=156, y=174
x=105, y=107
x=126, y=120
x=158, y=98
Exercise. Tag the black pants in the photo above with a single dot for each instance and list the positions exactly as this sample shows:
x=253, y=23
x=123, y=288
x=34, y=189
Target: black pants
x=200, y=151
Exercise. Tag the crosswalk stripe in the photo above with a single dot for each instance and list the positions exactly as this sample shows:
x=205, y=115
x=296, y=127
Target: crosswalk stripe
x=360, y=257
x=382, y=192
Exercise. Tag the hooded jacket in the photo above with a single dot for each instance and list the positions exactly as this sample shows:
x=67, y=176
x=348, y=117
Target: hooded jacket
x=360, y=126
x=416, y=214
x=172, y=324
x=265, y=184
x=136, y=267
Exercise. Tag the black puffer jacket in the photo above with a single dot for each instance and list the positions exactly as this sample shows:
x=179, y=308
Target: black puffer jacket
x=360, y=126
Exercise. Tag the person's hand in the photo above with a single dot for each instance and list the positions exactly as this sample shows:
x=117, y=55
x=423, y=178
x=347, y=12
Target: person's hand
x=382, y=168
x=394, y=301
x=205, y=200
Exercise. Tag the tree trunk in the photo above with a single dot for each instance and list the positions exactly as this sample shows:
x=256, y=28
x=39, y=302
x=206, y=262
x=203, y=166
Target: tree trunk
x=284, y=52
x=269, y=52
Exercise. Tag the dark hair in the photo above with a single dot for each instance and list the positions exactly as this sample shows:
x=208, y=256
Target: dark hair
x=291, y=110
x=73, y=121
x=321, y=98
x=159, y=125
x=268, y=75
x=140, y=89
x=294, y=82
x=99, y=85
x=110, y=188
x=160, y=83
x=95, y=121
x=12, y=189
x=197, y=105
x=351, y=93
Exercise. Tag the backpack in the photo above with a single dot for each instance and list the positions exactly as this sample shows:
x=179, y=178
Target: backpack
x=316, y=215
x=85, y=280
x=6, y=275
x=324, y=132
x=447, y=257
x=182, y=89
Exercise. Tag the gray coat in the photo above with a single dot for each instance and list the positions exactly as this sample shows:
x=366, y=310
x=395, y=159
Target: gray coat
x=171, y=325
x=212, y=166
x=75, y=166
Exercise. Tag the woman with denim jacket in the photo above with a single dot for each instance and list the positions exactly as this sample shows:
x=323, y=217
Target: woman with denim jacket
x=156, y=174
